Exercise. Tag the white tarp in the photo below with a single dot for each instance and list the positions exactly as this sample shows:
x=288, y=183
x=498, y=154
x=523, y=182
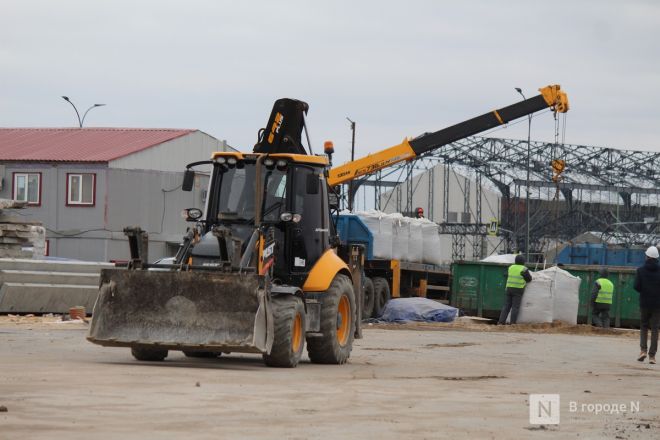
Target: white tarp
x=565, y=294
x=504, y=258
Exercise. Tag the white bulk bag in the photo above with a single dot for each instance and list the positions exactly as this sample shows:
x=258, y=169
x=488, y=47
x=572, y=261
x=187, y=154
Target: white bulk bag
x=401, y=237
x=380, y=226
x=537, y=303
x=432, y=248
x=416, y=241
x=565, y=294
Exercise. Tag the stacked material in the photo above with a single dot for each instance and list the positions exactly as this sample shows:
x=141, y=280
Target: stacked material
x=403, y=238
x=20, y=238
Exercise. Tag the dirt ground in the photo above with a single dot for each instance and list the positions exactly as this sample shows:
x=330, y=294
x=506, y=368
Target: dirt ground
x=464, y=380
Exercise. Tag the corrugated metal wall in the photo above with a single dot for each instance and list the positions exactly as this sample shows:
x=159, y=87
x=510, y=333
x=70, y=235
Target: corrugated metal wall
x=145, y=193
x=172, y=155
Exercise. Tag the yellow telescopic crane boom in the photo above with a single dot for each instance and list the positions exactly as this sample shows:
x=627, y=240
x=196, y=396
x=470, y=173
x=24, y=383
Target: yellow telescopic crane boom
x=551, y=96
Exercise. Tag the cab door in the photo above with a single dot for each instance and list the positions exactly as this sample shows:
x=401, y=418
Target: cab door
x=308, y=238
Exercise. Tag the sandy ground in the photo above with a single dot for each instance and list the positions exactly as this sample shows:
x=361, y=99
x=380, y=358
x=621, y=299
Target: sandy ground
x=402, y=382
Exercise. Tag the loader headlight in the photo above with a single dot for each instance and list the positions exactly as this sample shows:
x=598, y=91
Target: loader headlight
x=290, y=217
x=281, y=163
x=286, y=216
x=191, y=214
x=232, y=161
x=221, y=160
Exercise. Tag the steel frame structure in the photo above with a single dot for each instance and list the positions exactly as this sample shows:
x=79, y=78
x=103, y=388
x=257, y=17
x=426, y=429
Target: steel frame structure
x=614, y=191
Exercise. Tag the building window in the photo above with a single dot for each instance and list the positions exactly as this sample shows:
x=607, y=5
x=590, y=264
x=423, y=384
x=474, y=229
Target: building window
x=81, y=189
x=27, y=188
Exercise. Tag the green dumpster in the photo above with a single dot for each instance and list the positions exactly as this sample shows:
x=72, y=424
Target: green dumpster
x=477, y=288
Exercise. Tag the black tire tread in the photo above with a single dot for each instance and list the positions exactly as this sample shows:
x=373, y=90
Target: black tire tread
x=369, y=299
x=285, y=308
x=201, y=354
x=381, y=295
x=149, y=354
x=326, y=349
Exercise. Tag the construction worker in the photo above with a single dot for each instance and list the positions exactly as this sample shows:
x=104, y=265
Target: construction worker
x=601, y=299
x=647, y=283
x=517, y=278
x=419, y=213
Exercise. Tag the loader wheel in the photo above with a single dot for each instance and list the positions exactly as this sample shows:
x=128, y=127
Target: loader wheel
x=148, y=354
x=337, y=324
x=368, y=304
x=381, y=295
x=202, y=354
x=289, y=338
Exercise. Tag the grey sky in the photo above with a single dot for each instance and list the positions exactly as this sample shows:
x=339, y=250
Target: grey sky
x=397, y=68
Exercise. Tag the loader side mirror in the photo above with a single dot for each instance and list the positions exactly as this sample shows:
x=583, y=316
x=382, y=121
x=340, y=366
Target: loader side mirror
x=312, y=184
x=188, y=180
x=333, y=201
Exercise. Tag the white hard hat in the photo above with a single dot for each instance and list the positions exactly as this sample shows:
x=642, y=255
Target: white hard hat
x=652, y=252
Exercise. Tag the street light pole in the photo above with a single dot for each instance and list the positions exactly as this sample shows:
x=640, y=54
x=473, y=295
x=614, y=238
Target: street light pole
x=350, y=183
x=81, y=121
x=529, y=141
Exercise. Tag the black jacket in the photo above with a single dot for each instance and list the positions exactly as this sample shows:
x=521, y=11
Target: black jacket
x=647, y=283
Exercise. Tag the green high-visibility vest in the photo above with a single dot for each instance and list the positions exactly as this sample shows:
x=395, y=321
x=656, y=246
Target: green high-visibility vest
x=606, y=291
x=515, y=278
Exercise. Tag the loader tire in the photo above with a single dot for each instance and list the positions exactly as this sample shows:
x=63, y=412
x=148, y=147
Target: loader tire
x=202, y=354
x=369, y=298
x=289, y=337
x=381, y=295
x=148, y=354
x=338, y=316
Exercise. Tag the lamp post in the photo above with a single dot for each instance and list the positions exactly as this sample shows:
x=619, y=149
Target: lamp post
x=81, y=121
x=529, y=137
x=350, y=183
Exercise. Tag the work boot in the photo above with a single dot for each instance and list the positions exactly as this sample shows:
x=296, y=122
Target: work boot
x=651, y=359
x=641, y=356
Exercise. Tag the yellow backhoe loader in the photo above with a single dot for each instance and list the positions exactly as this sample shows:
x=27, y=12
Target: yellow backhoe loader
x=262, y=269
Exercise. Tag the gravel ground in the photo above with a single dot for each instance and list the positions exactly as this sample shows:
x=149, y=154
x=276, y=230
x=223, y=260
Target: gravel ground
x=402, y=382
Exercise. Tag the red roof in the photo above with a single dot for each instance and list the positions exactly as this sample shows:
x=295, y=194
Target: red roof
x=79, y=144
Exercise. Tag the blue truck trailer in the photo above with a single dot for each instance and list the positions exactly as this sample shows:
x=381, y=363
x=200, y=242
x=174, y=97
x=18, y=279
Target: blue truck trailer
x=391, y=278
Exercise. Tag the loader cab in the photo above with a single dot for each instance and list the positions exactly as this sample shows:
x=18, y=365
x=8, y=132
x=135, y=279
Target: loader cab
x=293, y=208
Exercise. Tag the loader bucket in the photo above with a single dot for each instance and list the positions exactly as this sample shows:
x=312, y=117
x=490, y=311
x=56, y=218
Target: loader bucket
x=176, y=310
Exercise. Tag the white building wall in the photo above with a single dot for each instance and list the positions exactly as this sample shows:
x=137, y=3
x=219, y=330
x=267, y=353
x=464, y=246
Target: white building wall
x=170, y=155
x=433, y=205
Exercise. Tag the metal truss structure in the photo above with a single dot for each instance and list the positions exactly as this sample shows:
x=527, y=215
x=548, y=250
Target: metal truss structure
x=616, y=192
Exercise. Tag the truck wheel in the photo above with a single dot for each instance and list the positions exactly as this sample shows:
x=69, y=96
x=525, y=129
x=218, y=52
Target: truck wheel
x=338, y=318
x=289, y=338
x=368, y=304
x=148, y=354
x=381, y=295
x=202, y=354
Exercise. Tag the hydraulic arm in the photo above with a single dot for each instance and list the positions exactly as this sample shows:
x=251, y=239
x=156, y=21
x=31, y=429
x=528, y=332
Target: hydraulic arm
x=550, y=96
